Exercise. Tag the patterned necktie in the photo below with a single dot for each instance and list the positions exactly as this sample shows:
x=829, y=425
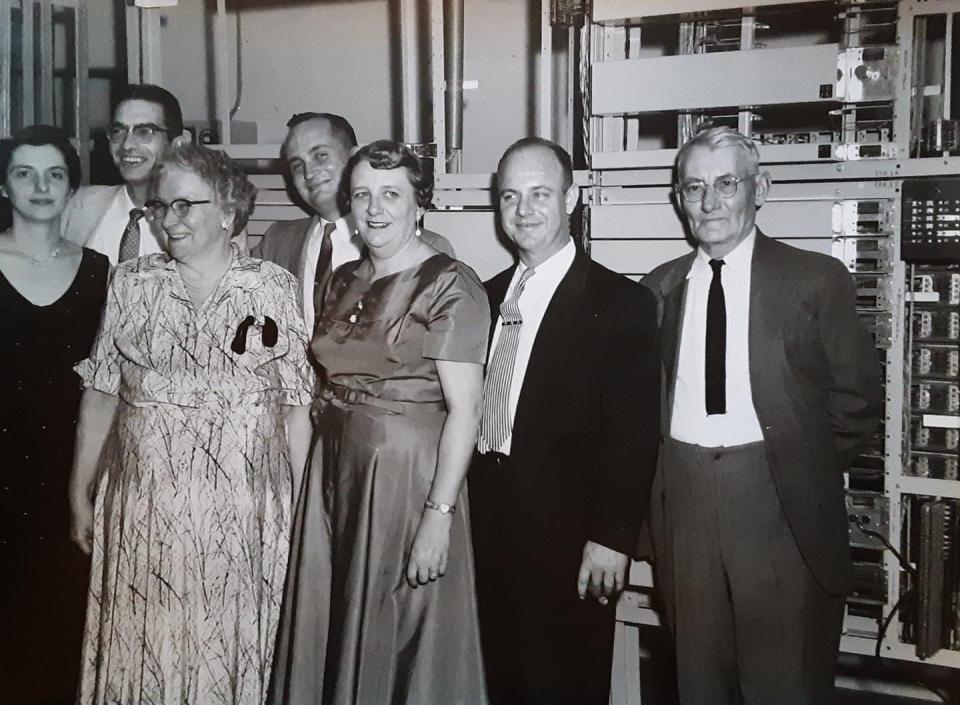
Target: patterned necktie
x=495, y=425
x=715, y=369
x=130, y=240
x=323, y=271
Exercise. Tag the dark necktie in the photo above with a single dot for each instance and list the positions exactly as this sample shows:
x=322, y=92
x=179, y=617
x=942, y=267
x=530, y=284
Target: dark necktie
x=495, y=426
x=130, y=240
x=716, y=349
x=323, y=271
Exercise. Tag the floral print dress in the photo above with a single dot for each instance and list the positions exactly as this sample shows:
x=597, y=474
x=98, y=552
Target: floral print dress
x=192, y=511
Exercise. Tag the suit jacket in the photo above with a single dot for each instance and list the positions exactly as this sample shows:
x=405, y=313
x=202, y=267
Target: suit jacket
x=85, y=212
x=816, y=388
x=586, y=427
x=285, y=243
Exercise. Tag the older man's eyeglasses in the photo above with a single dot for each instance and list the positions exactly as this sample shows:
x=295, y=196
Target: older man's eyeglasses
x=142, y=133
x=725, y=186
x=156, y=209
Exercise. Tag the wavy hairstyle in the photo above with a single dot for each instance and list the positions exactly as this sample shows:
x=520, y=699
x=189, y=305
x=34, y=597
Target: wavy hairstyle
x=387, y=154
x=229, y=182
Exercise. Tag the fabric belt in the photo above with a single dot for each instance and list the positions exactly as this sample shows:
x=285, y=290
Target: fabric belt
x=345, y=398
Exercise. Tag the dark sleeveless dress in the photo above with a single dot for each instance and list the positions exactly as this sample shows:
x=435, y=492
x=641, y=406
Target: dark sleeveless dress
x=44, y=584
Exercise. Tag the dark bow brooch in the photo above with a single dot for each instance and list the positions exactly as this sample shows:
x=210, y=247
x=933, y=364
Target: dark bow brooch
x=269, y=334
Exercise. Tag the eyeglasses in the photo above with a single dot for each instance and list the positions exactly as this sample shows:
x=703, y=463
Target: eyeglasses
x=142, y=133
x=725, y=186
x=157, y=210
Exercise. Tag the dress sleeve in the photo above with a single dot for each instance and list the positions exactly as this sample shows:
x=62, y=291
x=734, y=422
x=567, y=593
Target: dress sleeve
x=101, y=371
x=458, y=322
x=294, y=371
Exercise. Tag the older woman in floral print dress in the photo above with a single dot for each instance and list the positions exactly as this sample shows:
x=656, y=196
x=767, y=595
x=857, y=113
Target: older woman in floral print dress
x=194, y=421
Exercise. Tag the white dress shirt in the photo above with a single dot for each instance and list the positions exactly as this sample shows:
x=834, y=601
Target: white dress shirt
x=690, y=422
x=106, y=237
x=533, y=303
x=347, y=247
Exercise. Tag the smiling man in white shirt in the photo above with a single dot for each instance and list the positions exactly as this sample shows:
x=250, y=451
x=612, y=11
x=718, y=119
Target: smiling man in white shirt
x=772, y=386
x=109, y=219
x=567, y=445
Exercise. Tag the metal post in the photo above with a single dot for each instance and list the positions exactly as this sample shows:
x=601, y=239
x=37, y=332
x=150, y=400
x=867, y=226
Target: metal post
x=748, y=26
x=410, y=70
x=134, y=48
x=46, y=62
x=27, y=54
x=6, y=56
x=151, y=57
x=545, y=82
x=439, y=92
x=453, y=71
x=80, y=87
x=221, y=74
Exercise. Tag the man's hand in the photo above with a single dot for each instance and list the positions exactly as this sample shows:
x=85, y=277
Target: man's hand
x=602, y=572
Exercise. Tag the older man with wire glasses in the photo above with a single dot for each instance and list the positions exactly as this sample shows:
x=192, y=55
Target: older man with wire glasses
x=772, y=387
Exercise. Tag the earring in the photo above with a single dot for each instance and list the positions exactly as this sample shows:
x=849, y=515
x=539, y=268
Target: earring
x=418, y=232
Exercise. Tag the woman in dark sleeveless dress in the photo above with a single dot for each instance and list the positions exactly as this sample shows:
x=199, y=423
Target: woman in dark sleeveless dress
x=51, y=294
x=381, y=523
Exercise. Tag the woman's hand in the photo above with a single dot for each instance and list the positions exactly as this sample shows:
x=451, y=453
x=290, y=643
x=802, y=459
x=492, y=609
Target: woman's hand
x=81, y=524
x=431, y=546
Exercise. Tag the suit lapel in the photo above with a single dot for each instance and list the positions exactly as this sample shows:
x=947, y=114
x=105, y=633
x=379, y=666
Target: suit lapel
x=766, y=308
x=496, y=293
x=673, y=292
x=561, y=321
x=304, y=238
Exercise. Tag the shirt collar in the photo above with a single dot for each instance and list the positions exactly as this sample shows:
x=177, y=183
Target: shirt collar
x=556, y=265
x=341, y=232
x=738, y=259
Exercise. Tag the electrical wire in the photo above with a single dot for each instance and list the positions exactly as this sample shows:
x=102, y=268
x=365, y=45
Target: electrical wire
x=889, y=546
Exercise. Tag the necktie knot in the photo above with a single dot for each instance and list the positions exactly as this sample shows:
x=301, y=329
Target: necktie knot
x=135, y=214
x=715, y=265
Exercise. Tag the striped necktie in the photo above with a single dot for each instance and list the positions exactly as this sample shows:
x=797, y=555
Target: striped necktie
x=495, y=424
x=130, y=240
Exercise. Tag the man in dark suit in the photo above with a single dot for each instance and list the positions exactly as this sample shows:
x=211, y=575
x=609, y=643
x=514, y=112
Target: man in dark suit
x=315, y=152
x=566, y=449
x=771, y=388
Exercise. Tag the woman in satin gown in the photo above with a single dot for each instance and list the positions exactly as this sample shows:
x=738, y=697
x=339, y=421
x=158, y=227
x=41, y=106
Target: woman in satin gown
x=51, y=294
x=379, y=606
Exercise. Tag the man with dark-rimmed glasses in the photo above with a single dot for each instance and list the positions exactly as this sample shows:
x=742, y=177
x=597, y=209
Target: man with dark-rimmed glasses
x=109, y=219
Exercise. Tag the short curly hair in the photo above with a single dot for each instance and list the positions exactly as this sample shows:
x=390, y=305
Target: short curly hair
x=229, y=182
x=40, y=136
x=387, y=154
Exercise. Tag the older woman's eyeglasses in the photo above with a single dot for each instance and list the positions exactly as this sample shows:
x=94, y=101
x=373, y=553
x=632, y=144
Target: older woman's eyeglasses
x=156, y=209
x=142, y=133
x=725, y=186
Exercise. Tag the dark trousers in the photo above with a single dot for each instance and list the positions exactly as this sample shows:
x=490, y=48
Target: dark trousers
x=542, y=645
x=751, y=625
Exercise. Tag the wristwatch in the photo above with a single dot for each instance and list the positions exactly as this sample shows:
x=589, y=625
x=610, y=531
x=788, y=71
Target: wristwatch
x=441, y=507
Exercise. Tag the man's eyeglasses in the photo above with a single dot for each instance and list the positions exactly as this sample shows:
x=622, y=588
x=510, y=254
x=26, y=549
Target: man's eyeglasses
x=142, y=133
x=725, y=186
x=156, y=209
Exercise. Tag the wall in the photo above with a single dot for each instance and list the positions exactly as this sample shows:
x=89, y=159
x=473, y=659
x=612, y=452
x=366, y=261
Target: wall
x=342, y=56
